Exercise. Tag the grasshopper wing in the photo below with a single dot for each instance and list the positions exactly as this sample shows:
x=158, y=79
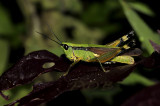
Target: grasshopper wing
x=101, y=50
x=104, y=54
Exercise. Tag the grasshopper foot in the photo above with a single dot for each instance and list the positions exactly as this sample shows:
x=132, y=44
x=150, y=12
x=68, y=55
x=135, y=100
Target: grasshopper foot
x=65, y=73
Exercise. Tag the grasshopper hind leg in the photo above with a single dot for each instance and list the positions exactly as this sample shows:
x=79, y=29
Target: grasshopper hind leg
x=123, y=40
x=127, y=47
x=126, y=38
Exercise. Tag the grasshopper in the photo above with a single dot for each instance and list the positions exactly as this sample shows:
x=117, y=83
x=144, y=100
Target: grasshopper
x=106, y=54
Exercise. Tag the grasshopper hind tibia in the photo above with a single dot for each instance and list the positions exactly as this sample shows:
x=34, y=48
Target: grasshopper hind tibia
x=127, y=47
x=126, y=38
x=132, y=43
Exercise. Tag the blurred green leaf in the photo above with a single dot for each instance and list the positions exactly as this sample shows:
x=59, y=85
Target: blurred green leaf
x=142, y=29
x=141, y=7
x=105, y=94
x=63, y=5
x=4, y=47
x=135, y=78
x=15, y=94
x=98, y=13
x=5, y=22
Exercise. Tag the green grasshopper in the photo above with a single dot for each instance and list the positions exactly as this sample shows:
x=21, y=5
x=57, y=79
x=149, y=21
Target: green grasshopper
x=98, y=53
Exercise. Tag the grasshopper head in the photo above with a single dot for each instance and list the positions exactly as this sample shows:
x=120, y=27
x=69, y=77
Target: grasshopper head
x=67, y=50
x=66, y=47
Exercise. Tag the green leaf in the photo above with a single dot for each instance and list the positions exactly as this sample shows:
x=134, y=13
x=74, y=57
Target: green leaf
x=4, y=47
x=5, y=22
x=15, y=94
x=105, y=94
x=72, y=5
x=140, y=7
x=135, y=78
x=143, y=31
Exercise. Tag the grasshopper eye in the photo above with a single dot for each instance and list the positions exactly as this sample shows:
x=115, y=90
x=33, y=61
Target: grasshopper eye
x=65, y=46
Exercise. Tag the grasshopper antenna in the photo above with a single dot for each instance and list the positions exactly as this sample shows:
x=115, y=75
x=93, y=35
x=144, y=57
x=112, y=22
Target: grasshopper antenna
x=53, y=33
x=49, y=38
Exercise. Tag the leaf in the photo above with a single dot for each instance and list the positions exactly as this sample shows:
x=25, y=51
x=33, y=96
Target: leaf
x=4, y=47
x=3, y=58
x=141, y=7
x=152, y=61
x=29, y=67
x=143, y=31
x=135, y=78
x=5, y=22
x=147, y=97
x=155, y=46
x=83, y=76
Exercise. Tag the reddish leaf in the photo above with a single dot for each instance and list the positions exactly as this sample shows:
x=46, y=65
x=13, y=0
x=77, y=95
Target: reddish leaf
x=147, y=97
x=155, y=46
x=152, y=61
x=29, y=67
x=83, y=76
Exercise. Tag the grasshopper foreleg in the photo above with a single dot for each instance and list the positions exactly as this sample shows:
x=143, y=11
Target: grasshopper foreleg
x=75, y=62
x=102, y=66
